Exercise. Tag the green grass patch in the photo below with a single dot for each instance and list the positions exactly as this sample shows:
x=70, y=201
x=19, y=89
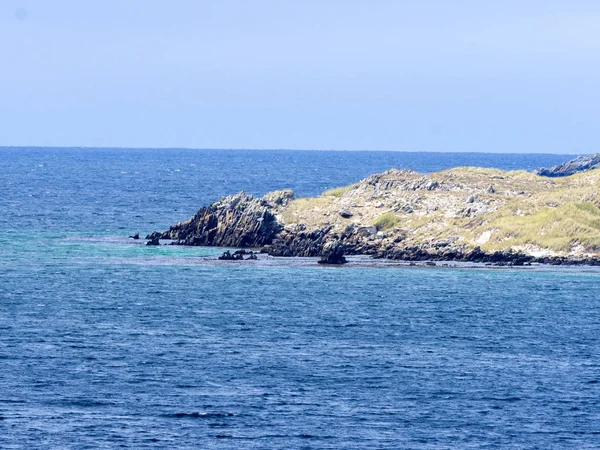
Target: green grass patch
x=386, y=221
x=337, y=192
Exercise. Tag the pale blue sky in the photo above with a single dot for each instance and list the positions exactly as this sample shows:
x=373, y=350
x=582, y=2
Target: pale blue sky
x=427, y=75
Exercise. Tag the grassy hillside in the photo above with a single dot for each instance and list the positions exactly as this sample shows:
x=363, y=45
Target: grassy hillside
x=490, y=208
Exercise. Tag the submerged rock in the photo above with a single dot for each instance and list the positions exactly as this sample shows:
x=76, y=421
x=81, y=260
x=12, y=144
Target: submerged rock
x=238, y=255
x=228, y=256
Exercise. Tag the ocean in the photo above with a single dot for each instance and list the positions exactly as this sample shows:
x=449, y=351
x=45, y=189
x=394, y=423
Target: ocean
x=107, y=343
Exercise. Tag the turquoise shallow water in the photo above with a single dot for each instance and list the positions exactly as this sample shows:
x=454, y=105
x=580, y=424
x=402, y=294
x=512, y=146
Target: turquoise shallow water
x=106, y=343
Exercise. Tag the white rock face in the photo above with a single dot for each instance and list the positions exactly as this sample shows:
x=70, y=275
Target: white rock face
x=484, y=237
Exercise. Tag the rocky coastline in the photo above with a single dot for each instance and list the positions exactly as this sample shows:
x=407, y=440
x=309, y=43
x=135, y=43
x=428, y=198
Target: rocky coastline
x=577, y=165
x=456, y=215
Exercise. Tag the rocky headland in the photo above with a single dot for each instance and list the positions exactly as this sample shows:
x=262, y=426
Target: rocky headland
x=577, y=165
x=463, y=214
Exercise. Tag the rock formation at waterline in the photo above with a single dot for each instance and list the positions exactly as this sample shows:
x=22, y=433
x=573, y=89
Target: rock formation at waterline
x=580, y=164
x=461, y=214
x=234, y=221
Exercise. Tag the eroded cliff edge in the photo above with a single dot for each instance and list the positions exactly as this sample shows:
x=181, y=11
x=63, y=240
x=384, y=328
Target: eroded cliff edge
x=462, y=214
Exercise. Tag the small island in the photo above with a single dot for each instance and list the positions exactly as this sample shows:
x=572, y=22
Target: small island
x=463, y=214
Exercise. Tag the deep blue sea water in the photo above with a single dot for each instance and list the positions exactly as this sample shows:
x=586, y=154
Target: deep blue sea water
x=106, y=343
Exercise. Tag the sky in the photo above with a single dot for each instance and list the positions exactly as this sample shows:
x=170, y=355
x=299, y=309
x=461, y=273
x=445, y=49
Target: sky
x=428, y=75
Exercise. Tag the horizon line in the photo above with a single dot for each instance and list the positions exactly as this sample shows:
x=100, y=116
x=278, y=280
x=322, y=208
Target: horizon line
x=86, y=147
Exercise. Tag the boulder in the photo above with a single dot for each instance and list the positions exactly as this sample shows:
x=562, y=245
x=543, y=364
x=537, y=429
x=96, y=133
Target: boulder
x=367, y=231
x=227, y=256
x=153, y=241
x=333, y=253
x=432, y=186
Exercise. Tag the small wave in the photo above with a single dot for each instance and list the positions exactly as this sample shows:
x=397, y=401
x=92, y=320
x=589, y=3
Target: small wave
x=87, y=403
x=504, y=399
x=197, y=415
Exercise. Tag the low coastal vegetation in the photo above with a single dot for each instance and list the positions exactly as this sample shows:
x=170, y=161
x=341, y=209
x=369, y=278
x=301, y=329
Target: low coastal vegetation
x=337, y=192
x=386, y=221
x=574, y=225
x=305, y=209
x=474, y=207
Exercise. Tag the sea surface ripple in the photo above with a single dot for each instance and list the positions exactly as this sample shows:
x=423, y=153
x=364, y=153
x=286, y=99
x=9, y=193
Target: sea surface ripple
x=106, y=343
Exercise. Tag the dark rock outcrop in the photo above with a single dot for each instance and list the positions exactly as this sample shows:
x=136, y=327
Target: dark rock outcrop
x=234, y=221
x=228, y=256
x=154, y=240
x=580, y=164
x=456, y=253
x=238, y=255
x=299, y=242
x=333, y=253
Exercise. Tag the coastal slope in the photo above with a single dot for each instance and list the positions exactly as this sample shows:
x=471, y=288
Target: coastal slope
x=464, y=214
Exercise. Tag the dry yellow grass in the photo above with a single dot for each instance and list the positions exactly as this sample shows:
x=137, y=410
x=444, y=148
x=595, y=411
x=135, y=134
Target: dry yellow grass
x=483, y=207
x=337, y=192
